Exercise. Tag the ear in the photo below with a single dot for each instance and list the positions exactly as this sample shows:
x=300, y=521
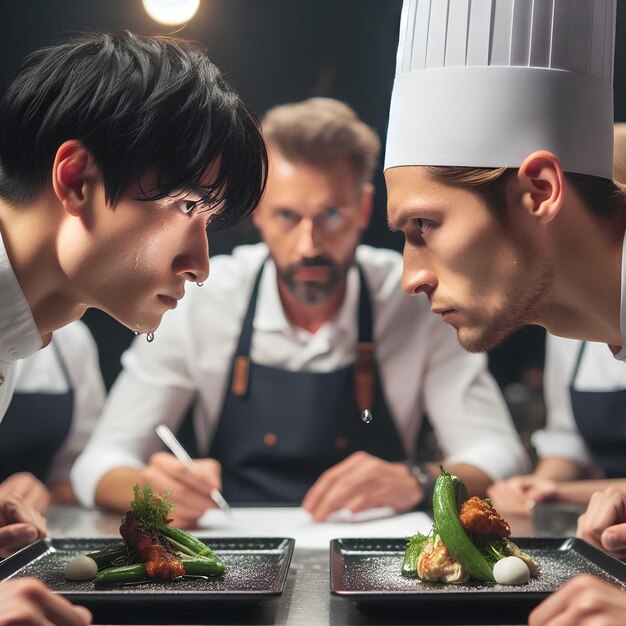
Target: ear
x=73, y=173
x=542, y=184
x=367, y=199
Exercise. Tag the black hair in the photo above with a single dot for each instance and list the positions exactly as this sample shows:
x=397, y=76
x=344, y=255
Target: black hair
x=139, y=104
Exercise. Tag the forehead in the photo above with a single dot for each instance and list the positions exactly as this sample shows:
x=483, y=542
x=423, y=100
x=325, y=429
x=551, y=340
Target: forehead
x=302, y=183
x=412, y=193
x=409, y=182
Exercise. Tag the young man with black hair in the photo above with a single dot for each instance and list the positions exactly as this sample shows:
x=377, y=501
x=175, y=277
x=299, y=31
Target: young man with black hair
x=499, y=173
x=116, y=154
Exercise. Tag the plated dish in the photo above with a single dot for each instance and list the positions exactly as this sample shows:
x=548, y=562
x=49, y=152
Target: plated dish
x=468, y=542
x=256, y=571
x=368, y=571
x=150, y=548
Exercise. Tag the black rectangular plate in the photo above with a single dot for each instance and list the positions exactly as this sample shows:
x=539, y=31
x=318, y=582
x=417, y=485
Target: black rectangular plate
x=367, y=571
x=256, y=571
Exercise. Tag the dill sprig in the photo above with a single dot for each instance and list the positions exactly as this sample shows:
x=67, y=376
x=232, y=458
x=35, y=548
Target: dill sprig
x=152, y=510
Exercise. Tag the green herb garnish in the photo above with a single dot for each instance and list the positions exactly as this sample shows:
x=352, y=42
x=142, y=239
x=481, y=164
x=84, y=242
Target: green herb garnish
x=151, y=510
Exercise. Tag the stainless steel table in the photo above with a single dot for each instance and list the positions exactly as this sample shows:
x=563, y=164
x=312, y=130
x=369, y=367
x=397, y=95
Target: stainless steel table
x=307, y=600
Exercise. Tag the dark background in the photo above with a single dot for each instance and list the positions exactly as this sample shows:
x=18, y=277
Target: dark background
x=272, y=51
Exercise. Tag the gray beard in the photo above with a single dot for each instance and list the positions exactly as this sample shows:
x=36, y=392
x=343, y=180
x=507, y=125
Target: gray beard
x=311, y=292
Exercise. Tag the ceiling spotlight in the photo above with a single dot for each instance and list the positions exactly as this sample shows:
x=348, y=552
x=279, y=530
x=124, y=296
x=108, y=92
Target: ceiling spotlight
x=171, y=11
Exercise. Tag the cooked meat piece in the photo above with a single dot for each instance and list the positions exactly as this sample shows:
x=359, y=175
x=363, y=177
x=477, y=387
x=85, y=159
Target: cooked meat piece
x=152, y=549
x=479, y=517
x=435, y=563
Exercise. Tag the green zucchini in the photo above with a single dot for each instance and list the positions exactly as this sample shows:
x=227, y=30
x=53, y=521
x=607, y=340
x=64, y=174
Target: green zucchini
x=203, y=566
x=448, y=526
x=199, y=566
x=125, y=574
x=184, y=542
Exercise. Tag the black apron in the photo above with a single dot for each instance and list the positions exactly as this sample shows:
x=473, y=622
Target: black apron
x=283, y=429
x=34, y=428
x=601, y=420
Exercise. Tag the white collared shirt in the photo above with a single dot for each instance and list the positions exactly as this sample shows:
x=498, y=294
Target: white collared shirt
x=19, y=336
x=421, y=365
x=598, y=372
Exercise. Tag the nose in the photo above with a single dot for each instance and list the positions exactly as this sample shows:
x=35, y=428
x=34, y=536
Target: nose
x=422, y=281
x=416, y=277
x=306, y=246
x=193, y=263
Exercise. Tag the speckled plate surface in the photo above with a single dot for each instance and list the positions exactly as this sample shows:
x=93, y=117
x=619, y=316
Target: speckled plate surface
x=256, y=570
x=368, y=572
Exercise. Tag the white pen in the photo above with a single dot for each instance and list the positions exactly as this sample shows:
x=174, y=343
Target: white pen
x=169, y=439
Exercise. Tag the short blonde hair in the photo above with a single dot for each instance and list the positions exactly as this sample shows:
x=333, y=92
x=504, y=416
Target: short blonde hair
x=319, y=130
x=601, y=196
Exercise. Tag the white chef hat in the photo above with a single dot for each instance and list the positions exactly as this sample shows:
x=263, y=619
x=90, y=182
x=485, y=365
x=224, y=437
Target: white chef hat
x=484, y=83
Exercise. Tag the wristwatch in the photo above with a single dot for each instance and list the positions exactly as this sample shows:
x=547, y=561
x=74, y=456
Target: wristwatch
x=425, y=479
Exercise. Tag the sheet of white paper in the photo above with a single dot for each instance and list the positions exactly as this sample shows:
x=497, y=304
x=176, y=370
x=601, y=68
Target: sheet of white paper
x=297, y=523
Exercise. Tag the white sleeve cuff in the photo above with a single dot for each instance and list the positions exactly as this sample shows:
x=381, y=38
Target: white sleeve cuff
x=567, y=445
x=86, y=474
x=495, y=460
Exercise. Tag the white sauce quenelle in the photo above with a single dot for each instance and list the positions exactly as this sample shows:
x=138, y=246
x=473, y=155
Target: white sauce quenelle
x=81, y=568
x=511, y=570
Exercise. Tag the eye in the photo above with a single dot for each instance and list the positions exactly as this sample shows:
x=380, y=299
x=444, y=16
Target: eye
x=422, y=225
x=332, y=214
x=285, y=214
x=186, y=206
x=287, y=218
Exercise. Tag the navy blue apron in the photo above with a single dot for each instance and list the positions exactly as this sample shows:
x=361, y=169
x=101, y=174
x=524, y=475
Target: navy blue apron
x=601, y=420
x=34, y=428
x=279, y=431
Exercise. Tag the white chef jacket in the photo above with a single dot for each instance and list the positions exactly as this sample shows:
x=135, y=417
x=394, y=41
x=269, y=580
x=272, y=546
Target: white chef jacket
x=41, y=373
x=598, y=371
x=19, y=336
x=421, y=365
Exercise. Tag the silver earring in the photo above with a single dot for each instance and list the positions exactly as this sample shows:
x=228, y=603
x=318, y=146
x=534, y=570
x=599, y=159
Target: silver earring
x=199, y=284
x=150, y=337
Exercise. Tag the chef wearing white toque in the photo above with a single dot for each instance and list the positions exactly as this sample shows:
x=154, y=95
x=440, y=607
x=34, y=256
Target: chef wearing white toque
x=498, y=171
x=508, y=106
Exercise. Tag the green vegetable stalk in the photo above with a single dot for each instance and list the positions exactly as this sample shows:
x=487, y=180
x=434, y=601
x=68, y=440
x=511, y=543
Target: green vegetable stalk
x=115, y=555
x=199, y=566
x=184, y=542
x=203, y=566
x=449, y=528
x=125, y=574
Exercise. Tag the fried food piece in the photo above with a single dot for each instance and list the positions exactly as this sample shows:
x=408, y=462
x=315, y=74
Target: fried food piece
x=152, y=549
x=435, y=563
x=480, y=518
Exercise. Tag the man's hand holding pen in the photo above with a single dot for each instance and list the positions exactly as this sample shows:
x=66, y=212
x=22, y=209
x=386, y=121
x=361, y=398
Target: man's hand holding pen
x=191, y=486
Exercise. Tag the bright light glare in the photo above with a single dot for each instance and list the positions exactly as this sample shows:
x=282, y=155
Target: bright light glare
x=171, y=11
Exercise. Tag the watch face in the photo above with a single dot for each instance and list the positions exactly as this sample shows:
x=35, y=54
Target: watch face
x=421, y=475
